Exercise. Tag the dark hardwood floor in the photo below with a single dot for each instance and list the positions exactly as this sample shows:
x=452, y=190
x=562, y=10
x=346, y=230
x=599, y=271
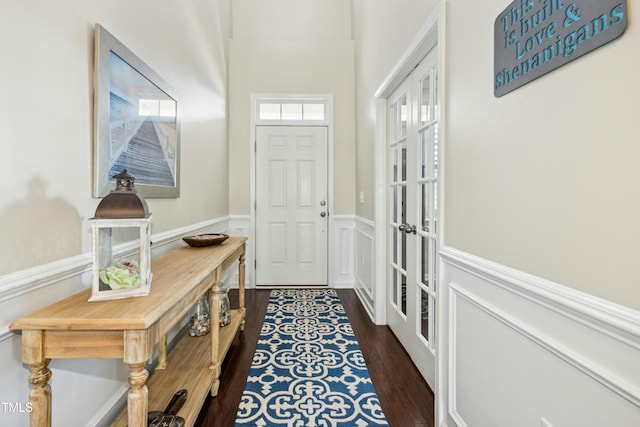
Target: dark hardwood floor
x=406, y=399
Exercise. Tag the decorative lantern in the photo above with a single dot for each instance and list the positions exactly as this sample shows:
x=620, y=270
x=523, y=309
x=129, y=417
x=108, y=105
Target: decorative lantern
x=122, y=216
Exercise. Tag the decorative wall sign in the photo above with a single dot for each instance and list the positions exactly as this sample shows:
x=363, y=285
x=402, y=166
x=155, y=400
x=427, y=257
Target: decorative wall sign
x=533, y=37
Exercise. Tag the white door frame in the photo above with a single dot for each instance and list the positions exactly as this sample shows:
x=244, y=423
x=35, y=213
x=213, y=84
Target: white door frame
x=432, y=32
x=328, y=123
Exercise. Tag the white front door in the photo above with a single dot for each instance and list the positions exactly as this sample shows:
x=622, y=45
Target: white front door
x=291, y=205
x=413, y=193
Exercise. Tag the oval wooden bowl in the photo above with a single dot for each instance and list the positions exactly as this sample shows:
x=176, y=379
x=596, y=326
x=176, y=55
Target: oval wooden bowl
x=201, y=240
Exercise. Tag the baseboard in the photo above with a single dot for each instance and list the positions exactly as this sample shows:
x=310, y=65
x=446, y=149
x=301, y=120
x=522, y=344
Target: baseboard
x=111, y=409
x=571, y=357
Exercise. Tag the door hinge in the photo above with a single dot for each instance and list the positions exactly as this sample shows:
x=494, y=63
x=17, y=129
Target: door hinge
x=255, y=263
x=255, y=146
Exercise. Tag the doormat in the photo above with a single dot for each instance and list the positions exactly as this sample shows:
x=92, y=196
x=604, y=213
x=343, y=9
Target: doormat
x=308, y=369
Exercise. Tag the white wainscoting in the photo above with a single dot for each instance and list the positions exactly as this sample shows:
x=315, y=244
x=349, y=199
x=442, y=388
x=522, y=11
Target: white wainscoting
x=517, y=350
x=105, y=380
x=341, y=249
x=240, y=225
x=365, y=285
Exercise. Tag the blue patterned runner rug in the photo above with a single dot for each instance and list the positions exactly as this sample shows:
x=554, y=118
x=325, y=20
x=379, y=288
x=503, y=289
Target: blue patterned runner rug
x=308, y=370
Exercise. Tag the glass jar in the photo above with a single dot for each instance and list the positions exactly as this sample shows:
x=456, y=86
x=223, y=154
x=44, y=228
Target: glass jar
x=200, y=322
x=225, y=307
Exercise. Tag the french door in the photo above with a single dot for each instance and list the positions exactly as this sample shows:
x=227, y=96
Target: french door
x=413, y=192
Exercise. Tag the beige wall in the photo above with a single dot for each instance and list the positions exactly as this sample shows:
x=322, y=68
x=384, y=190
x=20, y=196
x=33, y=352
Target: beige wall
x=46, y=109
x=46, y=103
x=272, y=53
x=382, y=31
x=292, y=19
x=545, y=179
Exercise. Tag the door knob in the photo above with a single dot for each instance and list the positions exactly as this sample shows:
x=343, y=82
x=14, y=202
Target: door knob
x=407, y=228
x=323, y=214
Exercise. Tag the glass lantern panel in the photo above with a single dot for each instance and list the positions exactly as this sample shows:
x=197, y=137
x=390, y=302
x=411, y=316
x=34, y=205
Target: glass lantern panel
x=121, y=273
x=122, y=235
x=104, y=247
x=119, y=270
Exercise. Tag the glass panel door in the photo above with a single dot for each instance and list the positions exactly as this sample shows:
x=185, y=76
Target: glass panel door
x=398, y=187
x=428, y=183
x=413, y=195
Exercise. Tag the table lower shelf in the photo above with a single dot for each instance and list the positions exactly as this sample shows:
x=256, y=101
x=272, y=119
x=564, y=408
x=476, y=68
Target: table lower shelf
x=188, y=367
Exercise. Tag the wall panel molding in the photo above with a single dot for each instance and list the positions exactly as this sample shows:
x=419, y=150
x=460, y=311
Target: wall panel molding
x=240, y=225
x=544, y=351
x=365, y=284
x=342, y=249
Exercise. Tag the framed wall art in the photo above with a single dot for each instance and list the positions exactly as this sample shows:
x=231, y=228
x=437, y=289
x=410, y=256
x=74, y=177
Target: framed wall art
x=136, y=125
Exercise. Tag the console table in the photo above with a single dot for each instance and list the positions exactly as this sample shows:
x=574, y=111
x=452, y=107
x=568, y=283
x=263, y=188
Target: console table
x=129, y=329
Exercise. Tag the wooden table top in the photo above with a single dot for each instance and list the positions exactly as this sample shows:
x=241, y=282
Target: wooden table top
x=175, y=274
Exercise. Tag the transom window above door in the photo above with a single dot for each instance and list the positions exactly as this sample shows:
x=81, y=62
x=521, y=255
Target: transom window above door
x=294, y=110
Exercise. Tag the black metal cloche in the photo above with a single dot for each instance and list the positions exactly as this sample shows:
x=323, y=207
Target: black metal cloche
x=124, y=201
